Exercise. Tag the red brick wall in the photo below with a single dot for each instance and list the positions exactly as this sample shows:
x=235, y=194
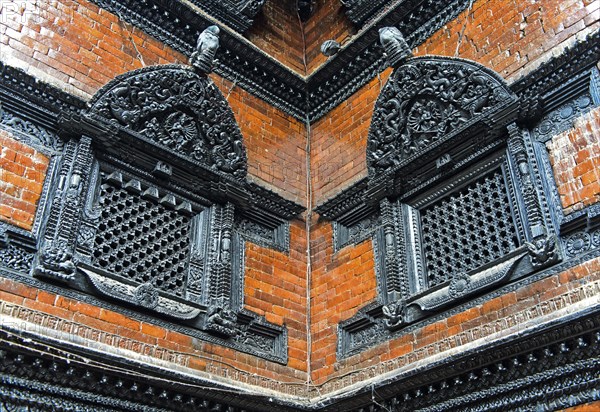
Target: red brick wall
x=511, y=38
x=275, y=143
x=524, y=303
x=588, y=407
x=22, y=173
x=277, y=31
x=521, y=37
x=340, y=284
x=328, y=22
x=575, y=158
x=200, y=355
x=339, y=142
x=275, y=286
x=78, y=47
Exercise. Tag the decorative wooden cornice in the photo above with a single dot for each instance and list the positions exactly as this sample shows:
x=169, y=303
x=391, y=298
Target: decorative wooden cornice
x=554, y=365
x=360, y=11
x=178, y=24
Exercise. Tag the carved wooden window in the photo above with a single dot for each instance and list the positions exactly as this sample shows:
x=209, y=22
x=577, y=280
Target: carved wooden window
x=467, y=228
x=151, y=208
x=467, y=225
x=453, y=200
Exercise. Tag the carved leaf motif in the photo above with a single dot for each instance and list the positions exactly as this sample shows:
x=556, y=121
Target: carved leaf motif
x=179, y=109
x=30, y=133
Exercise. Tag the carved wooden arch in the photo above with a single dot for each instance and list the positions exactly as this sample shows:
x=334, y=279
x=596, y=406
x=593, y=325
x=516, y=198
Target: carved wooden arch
x=425, y=103
x=176, y=107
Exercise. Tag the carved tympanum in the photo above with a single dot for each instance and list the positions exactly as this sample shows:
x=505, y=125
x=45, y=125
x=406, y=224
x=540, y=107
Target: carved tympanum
x=423, y=102
x=179, y=109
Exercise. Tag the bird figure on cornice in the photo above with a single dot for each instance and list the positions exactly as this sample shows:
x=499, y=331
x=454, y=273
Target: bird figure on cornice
x=206, y=48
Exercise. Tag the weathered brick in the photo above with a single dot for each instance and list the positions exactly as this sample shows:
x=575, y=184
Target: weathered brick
x=118, y=319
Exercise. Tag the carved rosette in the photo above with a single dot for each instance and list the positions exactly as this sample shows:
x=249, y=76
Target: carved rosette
x=459, y=285
x=178, y=109
x=425, y=101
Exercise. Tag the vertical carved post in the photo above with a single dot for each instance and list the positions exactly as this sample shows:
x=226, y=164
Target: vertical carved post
x=196, y=289
x=542, y=244
x=56, y=258
x=92, y=215
x=394, y=252
x=221, y=318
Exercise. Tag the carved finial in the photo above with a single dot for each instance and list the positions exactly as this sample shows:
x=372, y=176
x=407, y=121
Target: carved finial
x=330, y=48
x=396, y=48
x=206, y=48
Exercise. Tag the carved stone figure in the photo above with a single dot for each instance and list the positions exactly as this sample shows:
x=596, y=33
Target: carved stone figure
x=206, y=48
x=396, y=48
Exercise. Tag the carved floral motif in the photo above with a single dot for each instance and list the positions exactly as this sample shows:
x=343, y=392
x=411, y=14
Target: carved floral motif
x=459, y=285
x=146, y=295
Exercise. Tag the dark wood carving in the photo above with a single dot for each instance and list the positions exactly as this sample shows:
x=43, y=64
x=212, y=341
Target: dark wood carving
x=454, y=199
x=151, y=208
x=179, y=109
x=424, y=102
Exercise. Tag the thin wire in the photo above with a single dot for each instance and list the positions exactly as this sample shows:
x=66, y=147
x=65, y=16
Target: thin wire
x=462, y=31
x=232, y=87
x=373, y=393
x=123, y=24
x=307, y=223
